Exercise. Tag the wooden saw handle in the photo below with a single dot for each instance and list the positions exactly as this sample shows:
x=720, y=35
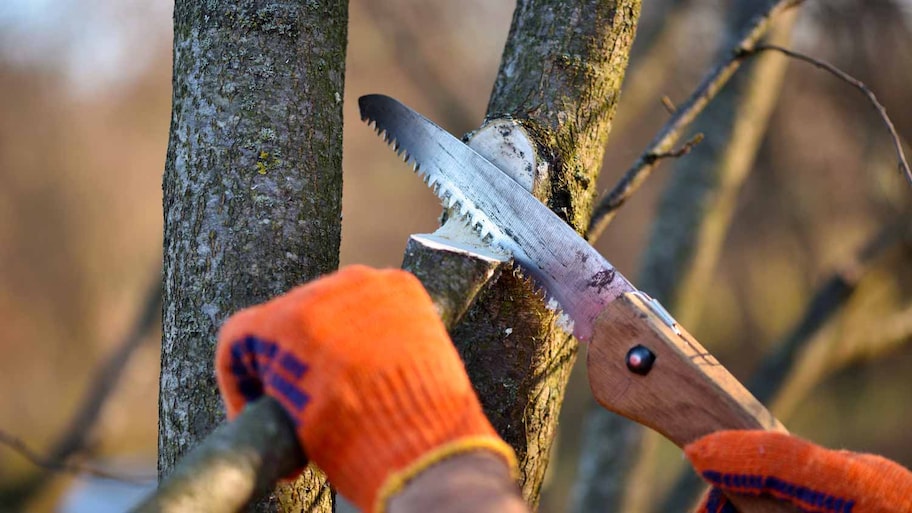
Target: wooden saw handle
x=685, y=394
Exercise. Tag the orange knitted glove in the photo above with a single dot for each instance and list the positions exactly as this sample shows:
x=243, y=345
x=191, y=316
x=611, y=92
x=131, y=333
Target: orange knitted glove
x=810, y=477
x=363, y=365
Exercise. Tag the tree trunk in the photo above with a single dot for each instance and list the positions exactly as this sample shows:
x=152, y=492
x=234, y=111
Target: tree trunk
x=560, y=79
x=252, y=190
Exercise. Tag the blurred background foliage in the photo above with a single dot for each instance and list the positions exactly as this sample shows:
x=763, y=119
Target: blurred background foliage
x=84, y=115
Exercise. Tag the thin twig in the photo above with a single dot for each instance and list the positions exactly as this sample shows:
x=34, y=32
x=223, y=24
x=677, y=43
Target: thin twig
x=669, y=134
x=680, y=152
x=669, y=105
x=108, y=375
x=854, y=82
x=34, y=458
x=74, y=438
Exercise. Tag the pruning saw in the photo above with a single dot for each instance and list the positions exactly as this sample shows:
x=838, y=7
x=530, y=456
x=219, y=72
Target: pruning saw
x=641, y=363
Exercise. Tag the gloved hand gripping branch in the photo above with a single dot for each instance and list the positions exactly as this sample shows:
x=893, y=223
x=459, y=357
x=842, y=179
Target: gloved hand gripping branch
x=364, y=367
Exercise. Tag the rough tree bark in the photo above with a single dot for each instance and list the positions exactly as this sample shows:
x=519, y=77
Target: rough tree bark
x=560, y=80
x=252, y=190
x=694, y=215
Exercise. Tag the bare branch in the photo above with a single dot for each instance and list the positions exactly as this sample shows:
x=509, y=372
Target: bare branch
x=669, y=105
x=780, y=365
x=823, y=306
x=108, y=375
x=20, y=447
x=858, y=334
x=234, y=465
x=669, y=134
x=74, y=438
x=854, y=82
x=680, y=152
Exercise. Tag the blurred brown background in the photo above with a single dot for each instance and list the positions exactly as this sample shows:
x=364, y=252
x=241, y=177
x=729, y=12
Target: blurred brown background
x=84, y=114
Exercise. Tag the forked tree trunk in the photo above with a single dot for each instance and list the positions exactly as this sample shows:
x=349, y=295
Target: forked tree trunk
x=252, y=190
x=560, y=79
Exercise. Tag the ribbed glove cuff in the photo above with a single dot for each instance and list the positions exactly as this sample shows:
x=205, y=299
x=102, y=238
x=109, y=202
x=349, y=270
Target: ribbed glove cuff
x=408, y=418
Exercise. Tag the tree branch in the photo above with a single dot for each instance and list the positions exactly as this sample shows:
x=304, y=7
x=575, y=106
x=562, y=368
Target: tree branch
x=21, y=448
x=244, y=459
x=559, y=80
x=236, y=464
x=680, y=152
x=75, y=436
x=854, y=82
x=669, y=134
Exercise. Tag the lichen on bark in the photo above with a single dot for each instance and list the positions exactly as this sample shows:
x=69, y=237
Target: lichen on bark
x=252, y=187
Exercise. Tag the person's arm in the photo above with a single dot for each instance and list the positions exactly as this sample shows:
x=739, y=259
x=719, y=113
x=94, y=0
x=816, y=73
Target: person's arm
x=473, y=482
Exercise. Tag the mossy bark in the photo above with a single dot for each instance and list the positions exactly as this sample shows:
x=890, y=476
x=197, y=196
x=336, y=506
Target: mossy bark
x=560, y=78
x=252, y=190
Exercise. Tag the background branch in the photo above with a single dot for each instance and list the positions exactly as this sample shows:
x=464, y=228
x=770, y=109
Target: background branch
x=781, y=366
x=423, y=71
x=652, y=59
x=74, y=438
x=669, y=134
x=20, y=447
x=854, y=82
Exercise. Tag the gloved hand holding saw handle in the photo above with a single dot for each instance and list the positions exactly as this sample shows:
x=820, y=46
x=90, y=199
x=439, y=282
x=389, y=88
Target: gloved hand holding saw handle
x=381, y=402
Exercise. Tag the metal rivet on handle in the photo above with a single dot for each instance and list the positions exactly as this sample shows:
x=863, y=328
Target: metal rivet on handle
x=640, y=360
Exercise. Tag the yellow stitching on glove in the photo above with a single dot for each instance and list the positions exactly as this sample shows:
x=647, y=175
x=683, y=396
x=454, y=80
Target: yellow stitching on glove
x=397, y=480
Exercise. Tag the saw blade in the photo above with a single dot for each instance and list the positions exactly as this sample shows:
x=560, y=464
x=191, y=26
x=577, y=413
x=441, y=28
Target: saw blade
x=503, y=212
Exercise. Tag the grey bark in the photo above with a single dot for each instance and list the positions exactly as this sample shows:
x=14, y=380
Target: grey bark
x=694, y=214
x=252, y=190
x=560, y=79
